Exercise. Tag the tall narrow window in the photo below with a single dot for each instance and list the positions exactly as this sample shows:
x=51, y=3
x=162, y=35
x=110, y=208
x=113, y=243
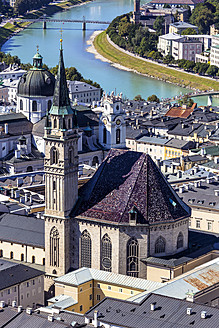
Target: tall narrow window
x=11, y=255
x=49, y=104
x=106, y=249
x=160, y=245
x=104, y=135
x=54, y=156
x=1, y=253
x=54, y=247
x=54, y=185
x=33, y=259
x=21, y=104
x=34, y=106
x=179, y=240
x=55, y=123
x=22, y=257
x=132, y=258
x=71, y=156
x=117, y=136
x=85, y=249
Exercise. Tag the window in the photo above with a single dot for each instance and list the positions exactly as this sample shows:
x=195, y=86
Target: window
x=55, y=123
x=160, y=245
x=85, y=242
x=104, y=135
x=81, y=289
x=132, y=292
x=28, y=295
x=28, y=284
x=209, y=226
x=9, y=291
x=132, y=258
x=21, y=104
x=190, y=222
x=109, y=287
x=71, y=156
x=98, y=297
x=54, y=156
x=98, y=285
x=54, y=185
x=33, y=282
x=1, y=253
x=90, y=297
x=11, y=255
x=81, y=308
x=44, y=261
x=22, y=296
x=179, y=240
x=120, y=290
x=14, y=289
x=34, y=106
x=49, y=104
x=54, y=247
x=22, y=257
x=118, y=136
x=106, y=248
x=33, y=259
x=197, y=224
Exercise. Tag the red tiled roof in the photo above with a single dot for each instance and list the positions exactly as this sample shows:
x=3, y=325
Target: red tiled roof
x=179, y=112
x=126, y=179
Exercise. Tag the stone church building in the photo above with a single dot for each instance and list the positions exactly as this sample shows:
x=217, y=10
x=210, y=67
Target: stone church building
x=125, y=213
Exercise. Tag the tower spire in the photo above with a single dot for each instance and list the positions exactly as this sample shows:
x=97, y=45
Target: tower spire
x=61, y=102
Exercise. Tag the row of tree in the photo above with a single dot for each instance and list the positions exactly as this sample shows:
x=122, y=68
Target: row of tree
x=205, y=14
x=21, y=6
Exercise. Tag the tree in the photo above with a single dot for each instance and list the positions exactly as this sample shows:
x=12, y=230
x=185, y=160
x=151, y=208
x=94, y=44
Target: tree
x=139, y=98
x=158, y=25
x=203, y=16
x=189, y=65
x=189, y=31
x=153, y=98
x=212, y=70
x=168, y=59
x=186, y=101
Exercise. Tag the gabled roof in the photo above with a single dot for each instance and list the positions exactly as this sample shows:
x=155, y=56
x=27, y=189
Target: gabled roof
x=126, y=179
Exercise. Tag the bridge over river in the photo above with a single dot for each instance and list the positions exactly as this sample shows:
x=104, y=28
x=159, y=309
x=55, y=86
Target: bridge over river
x=194, y=94
x=84, y=21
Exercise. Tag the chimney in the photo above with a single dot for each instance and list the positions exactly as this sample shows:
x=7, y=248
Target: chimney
x=2, y=304
x=14, y=303
x=203, y=314
x=17, y=153
x=95, y=321
x=190, y=296
x=6, y=128
x=19, y=309
x=153, y=306
x=216, y=160
x=29, y=310
x=181, y=189
x=51, y=317
x=189, y=311
x=216, y=192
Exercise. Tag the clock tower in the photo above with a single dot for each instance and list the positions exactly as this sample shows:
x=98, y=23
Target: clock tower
x=61, y=176
x=112, y=126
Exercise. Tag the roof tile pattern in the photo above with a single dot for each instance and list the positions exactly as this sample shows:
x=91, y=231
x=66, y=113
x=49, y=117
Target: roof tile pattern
x=126, y=179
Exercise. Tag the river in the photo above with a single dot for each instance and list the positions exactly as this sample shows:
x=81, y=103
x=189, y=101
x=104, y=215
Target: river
x=75, y=44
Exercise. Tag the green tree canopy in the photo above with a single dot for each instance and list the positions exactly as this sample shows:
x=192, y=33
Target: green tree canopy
x=203, y=16
x=158, y=25
x=189, y=31
x=153, y=98
x=139, y=98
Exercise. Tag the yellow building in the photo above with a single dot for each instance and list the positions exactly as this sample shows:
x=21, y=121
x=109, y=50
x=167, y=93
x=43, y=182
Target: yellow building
x=176, y=148
x=80, y=290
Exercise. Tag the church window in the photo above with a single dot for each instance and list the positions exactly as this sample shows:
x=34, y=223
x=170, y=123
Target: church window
x=21, y=104
x=85, y=249
x=118, y=136
x=160, y=245
x=34, y=106
x=22, y=257
x=132, y=258
x=1, y=253
x=69, y=123
x=106, y=258
x=71, y=156
x=54, y=247
x=104, y=135
x=55, y=123
x=49, y=104
x=179, y=240
x=54, y=156
x=33, y=259
x=54, y=185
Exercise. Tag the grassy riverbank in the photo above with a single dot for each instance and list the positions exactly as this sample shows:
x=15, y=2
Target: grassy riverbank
x=9, y=29
x=166, y=74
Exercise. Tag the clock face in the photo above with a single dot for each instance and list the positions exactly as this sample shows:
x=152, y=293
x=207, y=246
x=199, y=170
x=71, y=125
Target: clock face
x=105, y=121
x=118, y=122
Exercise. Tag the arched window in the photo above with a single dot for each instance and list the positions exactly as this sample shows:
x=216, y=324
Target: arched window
x=132, y=258
x=11, y=255
x=33, y=259
x=160, y=245
x=54, y=156
x=30, y=168
x=21, y=104
x=55, y=123
x=85, y=249
x=71, y=155
x=34, y=106
x=104, y=135
x=106, y=252
x=22, y=257
x=95, y=161
x=54, y=247
x=49, y=104
x=117, y=136
x=1, y=253
x=179, y=240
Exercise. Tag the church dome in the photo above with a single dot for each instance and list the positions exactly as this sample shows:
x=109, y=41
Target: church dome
x=37, y=82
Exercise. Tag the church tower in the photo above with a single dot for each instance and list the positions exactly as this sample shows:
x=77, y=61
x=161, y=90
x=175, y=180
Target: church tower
x=112, y=126
x=61, y=176
x=137, y=12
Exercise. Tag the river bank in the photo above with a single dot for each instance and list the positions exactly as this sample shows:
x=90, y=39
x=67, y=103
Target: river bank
x=106, y=51
x=10, y=29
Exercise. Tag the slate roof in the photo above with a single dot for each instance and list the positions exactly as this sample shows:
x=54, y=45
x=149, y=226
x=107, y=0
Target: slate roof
x=135, y=134
x=14, y=120
x=14, y=273
x=169, y=313
x=22, y=229
x=126, y=179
